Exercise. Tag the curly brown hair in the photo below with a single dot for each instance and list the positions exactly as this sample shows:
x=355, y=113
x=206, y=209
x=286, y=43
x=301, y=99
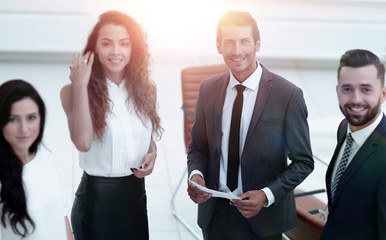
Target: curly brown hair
x=141, y=89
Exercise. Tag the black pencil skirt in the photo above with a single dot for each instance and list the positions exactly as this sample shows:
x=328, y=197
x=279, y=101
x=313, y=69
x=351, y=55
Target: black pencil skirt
x=110, y=208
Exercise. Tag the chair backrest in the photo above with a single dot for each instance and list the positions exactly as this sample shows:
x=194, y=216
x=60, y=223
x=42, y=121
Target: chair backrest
x=191, y=78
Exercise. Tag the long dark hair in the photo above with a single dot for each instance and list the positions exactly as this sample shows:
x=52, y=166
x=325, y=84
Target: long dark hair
x=141, y=89
x=12, y=194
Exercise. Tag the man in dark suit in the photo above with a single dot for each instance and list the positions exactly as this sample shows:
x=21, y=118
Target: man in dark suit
x=356, y=176
x=273, y=126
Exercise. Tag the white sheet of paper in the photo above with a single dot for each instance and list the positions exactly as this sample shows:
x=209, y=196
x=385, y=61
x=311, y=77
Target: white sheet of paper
x=215, y=193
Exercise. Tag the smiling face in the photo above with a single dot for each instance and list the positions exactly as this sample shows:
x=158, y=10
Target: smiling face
x=360, y=95
x=238, y=48
x=113, y=47
x=23, y=126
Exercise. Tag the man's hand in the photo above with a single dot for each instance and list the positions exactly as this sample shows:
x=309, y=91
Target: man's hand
x=251, y=203
x=196, y=194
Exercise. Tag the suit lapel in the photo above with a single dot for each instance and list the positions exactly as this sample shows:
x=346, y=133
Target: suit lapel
x=265, y=87
x=220, y=98
x=363, y=154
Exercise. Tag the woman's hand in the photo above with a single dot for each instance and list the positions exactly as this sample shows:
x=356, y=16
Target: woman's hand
x=147, y=167
x=76, y=105
x=81, y=69
x=148, y=163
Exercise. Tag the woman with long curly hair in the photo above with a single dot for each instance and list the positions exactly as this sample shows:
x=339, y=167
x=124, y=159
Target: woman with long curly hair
x=32, y=203
x=111, y=112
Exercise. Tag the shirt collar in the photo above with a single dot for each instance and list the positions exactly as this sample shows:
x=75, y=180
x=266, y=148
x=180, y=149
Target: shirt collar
x=113, y=85
x=361, y=136
x=252, y=82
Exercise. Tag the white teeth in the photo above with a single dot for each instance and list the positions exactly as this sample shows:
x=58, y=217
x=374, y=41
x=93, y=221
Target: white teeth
x=357, y=109
x=115, y=60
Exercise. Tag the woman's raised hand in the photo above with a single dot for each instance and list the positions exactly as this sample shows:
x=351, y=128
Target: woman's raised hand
x=81, y=69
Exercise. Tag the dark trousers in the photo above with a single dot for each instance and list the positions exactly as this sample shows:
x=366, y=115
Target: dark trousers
x=228, y=224
x=111, y=208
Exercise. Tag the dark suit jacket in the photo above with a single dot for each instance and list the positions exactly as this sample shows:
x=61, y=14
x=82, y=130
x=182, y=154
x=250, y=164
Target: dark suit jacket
x=359, y=209
x=278, y=130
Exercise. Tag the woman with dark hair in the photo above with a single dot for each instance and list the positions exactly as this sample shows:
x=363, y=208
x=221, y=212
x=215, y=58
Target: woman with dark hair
x=31, y=199
x=111, y=112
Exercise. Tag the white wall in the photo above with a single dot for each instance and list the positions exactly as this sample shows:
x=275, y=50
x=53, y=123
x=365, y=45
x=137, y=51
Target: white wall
x=319, y=29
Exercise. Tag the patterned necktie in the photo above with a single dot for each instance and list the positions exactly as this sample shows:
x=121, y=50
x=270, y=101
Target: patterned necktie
x=234, y=140
x=342, y=165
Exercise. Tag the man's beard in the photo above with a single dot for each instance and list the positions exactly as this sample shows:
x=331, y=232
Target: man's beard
x=360, y=120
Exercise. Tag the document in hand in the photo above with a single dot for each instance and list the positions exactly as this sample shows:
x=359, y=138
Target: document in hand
x=227, y=195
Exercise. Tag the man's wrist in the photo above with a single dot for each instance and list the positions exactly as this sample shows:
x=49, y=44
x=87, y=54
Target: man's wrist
x=194, y=172
x=269, y=195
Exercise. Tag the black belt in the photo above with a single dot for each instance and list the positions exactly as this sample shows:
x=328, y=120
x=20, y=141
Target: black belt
x=225, y=201
x=108, y=179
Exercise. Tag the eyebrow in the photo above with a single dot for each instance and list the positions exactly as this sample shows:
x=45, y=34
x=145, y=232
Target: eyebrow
x=346, y=85
x=28, y=114
x=361, y=85
x=242, y=39
x=123, y=39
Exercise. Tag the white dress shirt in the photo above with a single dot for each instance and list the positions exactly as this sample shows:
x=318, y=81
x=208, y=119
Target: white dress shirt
x=125, y=141
x=359, y=138
x=249, y=99
x=45, y=200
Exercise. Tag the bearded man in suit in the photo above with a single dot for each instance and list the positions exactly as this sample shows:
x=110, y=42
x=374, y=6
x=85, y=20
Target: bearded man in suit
x=356, y=176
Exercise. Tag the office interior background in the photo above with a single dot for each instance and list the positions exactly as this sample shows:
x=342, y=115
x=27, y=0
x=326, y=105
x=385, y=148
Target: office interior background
x=300, y=40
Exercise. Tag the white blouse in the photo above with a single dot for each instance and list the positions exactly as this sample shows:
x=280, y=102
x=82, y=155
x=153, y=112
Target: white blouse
x=125, y=141
x=45, y=200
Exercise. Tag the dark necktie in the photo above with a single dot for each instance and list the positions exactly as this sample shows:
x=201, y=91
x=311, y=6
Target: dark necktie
x=342, y=165
x=234, y=140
